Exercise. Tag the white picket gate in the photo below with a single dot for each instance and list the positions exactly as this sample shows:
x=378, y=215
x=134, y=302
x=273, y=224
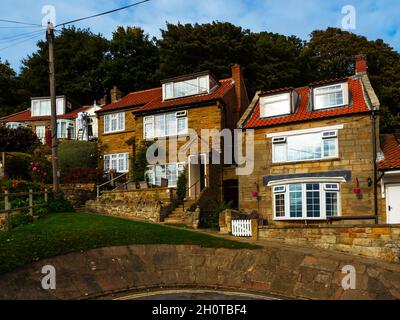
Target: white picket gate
x=241, y=228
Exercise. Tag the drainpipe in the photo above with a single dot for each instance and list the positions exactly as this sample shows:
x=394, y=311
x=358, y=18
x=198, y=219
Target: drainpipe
x=374, y=117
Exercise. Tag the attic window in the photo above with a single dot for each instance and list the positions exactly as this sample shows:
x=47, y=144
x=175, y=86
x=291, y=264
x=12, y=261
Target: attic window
x=331, y=96
x=276, y=105
x=190, y=87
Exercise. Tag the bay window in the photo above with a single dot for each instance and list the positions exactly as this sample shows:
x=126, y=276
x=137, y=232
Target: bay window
x=303, y=147
x=114, y=122
x=306, y=201
x=165, y=125
x=117, y=162
x=331, y=96
x=170, y=171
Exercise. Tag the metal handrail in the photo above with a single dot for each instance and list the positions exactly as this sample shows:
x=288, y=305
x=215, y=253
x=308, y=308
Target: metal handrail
x=108, y=182
x=195, y=195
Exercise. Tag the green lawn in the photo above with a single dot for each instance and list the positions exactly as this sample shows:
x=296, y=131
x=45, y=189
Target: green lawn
x=60, y=234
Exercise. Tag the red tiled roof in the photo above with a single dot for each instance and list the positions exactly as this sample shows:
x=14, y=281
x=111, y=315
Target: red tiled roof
x=219, y=93
x=304, y=114
x=391, y=150
x=134, y=99
x=26, y=116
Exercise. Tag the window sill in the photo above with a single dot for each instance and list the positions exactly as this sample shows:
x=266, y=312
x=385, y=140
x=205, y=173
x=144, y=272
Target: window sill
x=181, y=135
x=114, y=132
x=300, y=219
x=305, y=161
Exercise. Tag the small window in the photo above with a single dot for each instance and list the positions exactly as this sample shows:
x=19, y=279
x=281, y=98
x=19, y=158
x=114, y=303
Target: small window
x=181, y=114
x=331, y=187
x=279, y=189
x=114, y=122
x=279, y=140
x=329, y=134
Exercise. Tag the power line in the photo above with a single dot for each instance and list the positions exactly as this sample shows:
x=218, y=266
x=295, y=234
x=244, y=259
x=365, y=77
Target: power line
x=18, y=36
x=20, y=42
x=18, y=22
x=102, y=14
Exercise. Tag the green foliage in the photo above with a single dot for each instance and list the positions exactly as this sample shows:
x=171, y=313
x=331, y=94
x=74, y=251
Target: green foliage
x=17, y=140
x=140, y=162
x=9, y=84
x=77, y=154
x=59, y=205
x=82, y=175
x=78, y=56
x=18, y=166
x=20, y=219
x=214, y=218
x=133, y=57
x=182, y=185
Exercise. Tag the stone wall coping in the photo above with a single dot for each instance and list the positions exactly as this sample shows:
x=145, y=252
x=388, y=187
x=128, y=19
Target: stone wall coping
x=391, y=226
x=138, y=190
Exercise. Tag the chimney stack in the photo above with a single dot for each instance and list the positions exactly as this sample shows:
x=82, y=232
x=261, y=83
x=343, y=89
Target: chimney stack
x=361, y=64
x=240, y=89
x=115, y=94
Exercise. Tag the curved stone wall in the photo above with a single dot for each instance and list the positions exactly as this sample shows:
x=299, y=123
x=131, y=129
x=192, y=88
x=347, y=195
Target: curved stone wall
x=283, y=271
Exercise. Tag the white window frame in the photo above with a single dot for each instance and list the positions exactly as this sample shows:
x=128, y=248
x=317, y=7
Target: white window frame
x=345, y=92
x=152, y=169
x=279, y=141
x=265, y=112
x=322, y=190
x=43, y=138
x=200, y=90
x=116, y=157
x=119, y=117
x=42, y=107
x=15, y=125
x=68, y=124
x=150, y=121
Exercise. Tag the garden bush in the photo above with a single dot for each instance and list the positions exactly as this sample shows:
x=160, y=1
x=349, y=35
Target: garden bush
x=20, y=219
x=82, y=175
x=77, y=154
x=58, y=204
x=18, y=166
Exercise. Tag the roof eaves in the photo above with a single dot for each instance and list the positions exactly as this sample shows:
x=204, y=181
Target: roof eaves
x=249, y=111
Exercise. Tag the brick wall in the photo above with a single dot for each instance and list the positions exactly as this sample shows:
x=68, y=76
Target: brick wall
x=380, y=242
x=355, y=151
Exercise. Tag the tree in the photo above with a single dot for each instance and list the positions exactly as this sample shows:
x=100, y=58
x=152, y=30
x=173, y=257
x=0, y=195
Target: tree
x=78, y=57
x=9, y=98
x=268, y=60
x=132, y=61
x=331, y=53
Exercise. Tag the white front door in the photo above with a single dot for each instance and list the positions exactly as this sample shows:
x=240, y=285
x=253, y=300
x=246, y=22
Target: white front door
x=393, y=204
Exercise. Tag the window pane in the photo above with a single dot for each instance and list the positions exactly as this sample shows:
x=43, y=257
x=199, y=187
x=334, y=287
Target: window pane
x=331, y=204
x=186, y=88
x=275, y=105
x=171, y=124
x=121, y=121
x=304, y=147
x=296, y=201
x=182, y=125
x=172, y=175
x=313, y=201
x=107, y=123
x=329, y=97
x=280, y=205
x=330, y=148
x=160, y=125
x=280, y=152
x=114, y=122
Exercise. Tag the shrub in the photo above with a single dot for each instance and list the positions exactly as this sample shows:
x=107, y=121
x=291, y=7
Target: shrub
x=15, y=186
x=59, y=205
x=214, y=218
x=18, y=166
x=17, y=140
x=140, y=163
x=182, y=185
x=82, y=175
x=77, y=154
x=20, y=219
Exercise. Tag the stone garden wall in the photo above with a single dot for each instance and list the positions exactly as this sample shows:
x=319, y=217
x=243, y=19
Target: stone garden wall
x=150, y=204
x=381, y=242
x=79, y=194
x=287, y=272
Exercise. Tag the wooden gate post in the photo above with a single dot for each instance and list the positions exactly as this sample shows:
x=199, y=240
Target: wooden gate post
x=7, y=206
x=31, y=202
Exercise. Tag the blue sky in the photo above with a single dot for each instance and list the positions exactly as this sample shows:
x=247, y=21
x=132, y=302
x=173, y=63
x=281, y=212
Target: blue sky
x=374, y=18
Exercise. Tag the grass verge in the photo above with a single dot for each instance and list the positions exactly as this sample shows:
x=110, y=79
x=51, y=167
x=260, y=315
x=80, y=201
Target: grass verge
x=59, y=234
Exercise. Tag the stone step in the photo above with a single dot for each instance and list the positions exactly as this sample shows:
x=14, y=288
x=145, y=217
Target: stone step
x=173, y=221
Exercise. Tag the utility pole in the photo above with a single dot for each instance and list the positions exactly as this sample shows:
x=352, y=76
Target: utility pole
x=54, y=141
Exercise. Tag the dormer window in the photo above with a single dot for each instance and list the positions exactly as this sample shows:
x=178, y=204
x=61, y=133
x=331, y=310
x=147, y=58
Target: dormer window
x=188, y=87
x=42, y=107
x=331, y=96
x=275, y=105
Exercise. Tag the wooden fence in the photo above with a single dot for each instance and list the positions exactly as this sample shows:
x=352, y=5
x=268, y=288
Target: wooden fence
x=7, y=204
